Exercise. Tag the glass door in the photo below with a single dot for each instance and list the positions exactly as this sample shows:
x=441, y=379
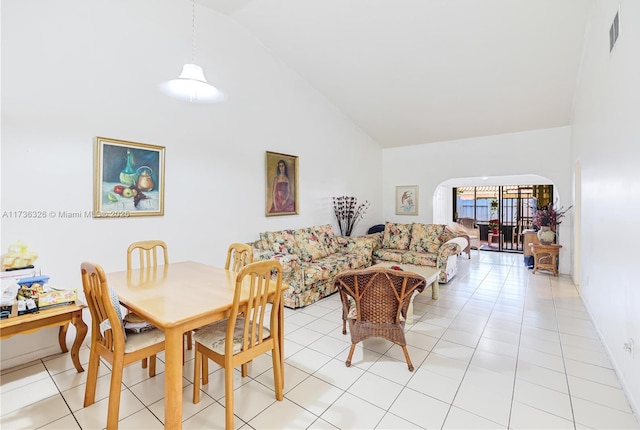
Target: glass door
x=502, y=213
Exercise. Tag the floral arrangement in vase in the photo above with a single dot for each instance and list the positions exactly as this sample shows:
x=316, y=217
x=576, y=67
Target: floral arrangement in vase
x=348, y=212
x=546, y=220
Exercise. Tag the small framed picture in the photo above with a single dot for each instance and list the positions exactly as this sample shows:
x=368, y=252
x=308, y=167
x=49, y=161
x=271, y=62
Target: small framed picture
x=407, y=200
x=128, y=179
x=281, y=184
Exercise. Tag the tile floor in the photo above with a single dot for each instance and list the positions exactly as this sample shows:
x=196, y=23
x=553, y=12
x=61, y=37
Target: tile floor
x=501, y=349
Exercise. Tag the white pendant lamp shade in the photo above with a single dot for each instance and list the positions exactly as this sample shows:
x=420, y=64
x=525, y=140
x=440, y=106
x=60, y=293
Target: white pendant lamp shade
x=192, y=86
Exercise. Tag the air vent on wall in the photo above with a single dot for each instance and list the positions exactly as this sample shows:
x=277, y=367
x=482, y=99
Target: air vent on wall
x=614, y=31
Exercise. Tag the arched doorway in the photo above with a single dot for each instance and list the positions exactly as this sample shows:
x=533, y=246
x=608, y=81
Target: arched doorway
x=500, y=206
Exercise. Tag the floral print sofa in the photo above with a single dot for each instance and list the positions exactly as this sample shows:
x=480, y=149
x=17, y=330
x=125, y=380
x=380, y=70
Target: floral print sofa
x=421, y=244
x=311, y=257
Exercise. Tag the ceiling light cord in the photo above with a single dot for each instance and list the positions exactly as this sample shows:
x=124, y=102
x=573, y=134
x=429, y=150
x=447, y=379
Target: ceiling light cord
x=193, y=32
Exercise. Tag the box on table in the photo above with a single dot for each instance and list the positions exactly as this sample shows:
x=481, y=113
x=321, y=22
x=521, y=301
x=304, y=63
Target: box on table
x=44, y=299
x=61, y=297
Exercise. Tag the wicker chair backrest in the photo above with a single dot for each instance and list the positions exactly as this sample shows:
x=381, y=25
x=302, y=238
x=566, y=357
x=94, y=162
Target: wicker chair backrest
x=380, y=295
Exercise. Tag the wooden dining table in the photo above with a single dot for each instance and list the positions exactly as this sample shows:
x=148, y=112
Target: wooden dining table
x=176, y=298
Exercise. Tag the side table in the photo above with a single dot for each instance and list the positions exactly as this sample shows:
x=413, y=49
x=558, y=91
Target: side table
x=53, y=317
x=493, y=238
x=545, y=257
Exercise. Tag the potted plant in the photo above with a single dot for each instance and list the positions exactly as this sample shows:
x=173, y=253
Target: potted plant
x=494, y=225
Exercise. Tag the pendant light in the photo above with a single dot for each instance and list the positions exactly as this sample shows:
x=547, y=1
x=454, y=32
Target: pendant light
x=191, y=85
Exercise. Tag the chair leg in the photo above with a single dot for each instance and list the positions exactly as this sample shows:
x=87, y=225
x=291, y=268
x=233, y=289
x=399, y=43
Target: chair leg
x=245, y=372
x=92, y=379
x=353, y=348
x=344, y=326
x=228, y=397
x=114, y=393
x=406, y=356
x=196, y=376
x=144, y=363
x=189, y=336
x=205, y=369
x=152, y=366
x=277, y=371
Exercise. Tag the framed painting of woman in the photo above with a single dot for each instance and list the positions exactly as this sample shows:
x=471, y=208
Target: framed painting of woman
x=281, y=184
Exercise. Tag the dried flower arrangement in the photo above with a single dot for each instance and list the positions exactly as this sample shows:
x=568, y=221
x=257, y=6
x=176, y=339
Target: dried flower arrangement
x=348, y=212
x=549, y=216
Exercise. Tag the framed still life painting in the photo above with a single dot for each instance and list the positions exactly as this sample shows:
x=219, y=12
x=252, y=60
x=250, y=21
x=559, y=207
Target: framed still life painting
x=407, y=200
x=281, y=184
x=128, y=179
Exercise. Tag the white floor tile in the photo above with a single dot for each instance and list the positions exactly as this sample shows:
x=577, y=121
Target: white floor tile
x=384, y=394
x=315, y=395
x=539, y=397
x=283, y=415
x=351, y=412
x=459, y=419
x=420, y=409
x=527, y=417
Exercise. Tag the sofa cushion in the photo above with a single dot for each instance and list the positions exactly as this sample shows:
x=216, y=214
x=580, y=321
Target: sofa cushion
x=420, y=258
x=310, y=246
x=387, y=254
x=396, y=236
x=315, y=272
x=328, y=237
x=426, y=237
x=281, y=242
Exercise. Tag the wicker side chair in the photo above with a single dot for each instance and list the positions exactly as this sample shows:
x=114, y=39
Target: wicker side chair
x=375, y=303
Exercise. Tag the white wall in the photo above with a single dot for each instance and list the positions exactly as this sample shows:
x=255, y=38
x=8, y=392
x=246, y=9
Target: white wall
x=542, y=154
x=606, y=133
x=75, y=70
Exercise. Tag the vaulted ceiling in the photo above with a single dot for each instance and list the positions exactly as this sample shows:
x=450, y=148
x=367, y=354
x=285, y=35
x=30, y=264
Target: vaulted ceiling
x=418, y=71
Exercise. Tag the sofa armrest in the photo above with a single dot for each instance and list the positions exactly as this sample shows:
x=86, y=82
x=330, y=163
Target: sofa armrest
x=452, y=247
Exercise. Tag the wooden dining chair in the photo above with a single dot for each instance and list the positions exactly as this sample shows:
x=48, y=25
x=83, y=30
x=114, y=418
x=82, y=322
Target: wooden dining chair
x=148, y=252
x=238, y=256
x=242, y=336
x=375, y=303
x=109, y=341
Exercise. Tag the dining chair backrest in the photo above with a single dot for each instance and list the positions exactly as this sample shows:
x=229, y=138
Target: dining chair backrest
x=238, y=256
x=148, y=251
x=253, y=284
x=106, y=321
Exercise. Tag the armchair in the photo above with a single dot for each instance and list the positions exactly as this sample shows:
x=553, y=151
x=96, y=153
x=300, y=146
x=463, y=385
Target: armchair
x=471, y=234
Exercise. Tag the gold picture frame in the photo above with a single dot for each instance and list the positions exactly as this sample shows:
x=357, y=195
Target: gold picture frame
x=407, y=200
x=128, y=179
x=281, y=184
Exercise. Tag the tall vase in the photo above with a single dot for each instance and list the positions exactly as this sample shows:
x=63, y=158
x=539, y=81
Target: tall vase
x=128, y=174
x=546, y=236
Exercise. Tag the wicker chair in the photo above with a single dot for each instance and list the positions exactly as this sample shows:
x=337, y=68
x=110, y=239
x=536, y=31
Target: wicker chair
x=375, y=303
